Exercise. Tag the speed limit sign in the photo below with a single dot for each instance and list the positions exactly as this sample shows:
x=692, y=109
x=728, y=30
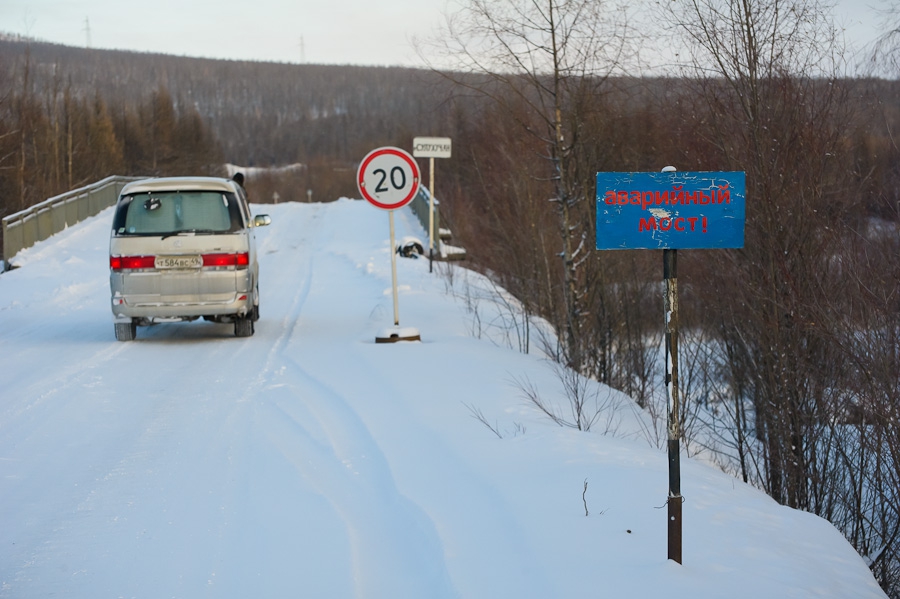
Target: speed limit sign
x=388, y=178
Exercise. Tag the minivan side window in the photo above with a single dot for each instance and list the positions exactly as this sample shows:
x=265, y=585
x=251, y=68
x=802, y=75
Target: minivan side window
x=165, y=213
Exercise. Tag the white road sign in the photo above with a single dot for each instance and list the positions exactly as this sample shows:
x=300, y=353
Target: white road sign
x=431, y=147
x=388, y=178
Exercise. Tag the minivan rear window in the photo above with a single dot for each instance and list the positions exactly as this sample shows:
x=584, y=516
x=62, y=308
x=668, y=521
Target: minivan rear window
x=173, y=212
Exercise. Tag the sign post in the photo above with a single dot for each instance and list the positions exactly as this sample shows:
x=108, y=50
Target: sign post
x=671, y=211
x=388, y=178
x=431, y=148
x=670, y=263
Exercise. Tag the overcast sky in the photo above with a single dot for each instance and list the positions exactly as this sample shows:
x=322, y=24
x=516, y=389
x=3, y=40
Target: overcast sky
x=363, y=32
x=315, y=31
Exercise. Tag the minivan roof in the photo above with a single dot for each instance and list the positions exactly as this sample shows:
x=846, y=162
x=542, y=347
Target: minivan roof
x=180, y=184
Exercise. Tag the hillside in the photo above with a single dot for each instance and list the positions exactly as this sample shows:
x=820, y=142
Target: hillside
x=262, y=113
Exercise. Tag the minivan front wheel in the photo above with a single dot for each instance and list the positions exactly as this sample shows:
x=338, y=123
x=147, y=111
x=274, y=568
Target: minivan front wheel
x=126, y=331
x=243, y=326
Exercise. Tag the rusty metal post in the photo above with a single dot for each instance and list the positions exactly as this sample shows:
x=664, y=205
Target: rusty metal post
x=670, y=264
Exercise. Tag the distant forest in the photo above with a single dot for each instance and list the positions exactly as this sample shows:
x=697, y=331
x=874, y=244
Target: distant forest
x=167, y=114
x=790, y=346
x=177, y=115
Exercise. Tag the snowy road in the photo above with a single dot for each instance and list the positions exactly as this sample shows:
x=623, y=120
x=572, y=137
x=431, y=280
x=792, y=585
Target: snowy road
x=308, y=461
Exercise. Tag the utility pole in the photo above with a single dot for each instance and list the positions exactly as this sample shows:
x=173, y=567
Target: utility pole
x=87, y=33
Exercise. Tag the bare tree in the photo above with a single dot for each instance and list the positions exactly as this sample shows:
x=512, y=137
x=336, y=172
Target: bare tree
x=767, y=71
x=807, y=327
x=867, y=330
x=544, y=62
x=885, y=55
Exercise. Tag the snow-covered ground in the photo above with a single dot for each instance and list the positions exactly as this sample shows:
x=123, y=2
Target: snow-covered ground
x=309, y=461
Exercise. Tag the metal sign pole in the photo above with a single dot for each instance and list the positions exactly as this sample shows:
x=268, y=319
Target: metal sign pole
x=394, y=271
x=670, y=274
x=431, y=213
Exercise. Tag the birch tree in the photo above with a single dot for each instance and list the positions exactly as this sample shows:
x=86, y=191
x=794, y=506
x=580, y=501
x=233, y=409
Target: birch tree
x=544, y=62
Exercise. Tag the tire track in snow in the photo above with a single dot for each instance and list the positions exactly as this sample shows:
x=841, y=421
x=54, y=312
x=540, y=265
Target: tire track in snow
x=286, y=267
x=396, y=551
x=472, y=516
x=133, y=470
x=390, y=426
x=62, y=378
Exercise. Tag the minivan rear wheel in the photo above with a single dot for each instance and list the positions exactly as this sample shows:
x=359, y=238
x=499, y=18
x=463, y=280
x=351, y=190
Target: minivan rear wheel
x=243, y=327
x=126, y=331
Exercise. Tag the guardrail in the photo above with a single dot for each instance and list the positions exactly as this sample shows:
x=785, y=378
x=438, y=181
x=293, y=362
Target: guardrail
x=420, y=207
x=26, y=227
x=37, y=223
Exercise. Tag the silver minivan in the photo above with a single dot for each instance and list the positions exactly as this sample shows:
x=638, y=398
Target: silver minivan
x=183, y=248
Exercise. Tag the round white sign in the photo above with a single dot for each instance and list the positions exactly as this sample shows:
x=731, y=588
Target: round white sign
x=388, y=178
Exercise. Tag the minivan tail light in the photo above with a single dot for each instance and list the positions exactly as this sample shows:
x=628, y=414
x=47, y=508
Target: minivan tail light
x=241, y=259
x=118, y=263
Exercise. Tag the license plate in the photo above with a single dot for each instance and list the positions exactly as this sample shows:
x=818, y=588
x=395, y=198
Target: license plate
x=178, y=262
